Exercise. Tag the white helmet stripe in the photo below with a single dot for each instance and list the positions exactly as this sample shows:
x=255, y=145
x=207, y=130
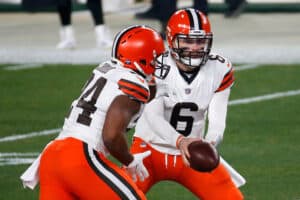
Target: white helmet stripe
x=194, y=19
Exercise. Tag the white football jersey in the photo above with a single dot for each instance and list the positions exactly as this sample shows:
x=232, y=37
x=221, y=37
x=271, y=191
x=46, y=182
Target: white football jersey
x=181, y=103
x=88, y=112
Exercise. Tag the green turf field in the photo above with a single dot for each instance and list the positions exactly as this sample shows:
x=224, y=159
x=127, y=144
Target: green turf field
x=261, y=140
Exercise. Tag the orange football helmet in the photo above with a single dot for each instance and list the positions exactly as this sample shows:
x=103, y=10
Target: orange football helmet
x=191, y=27
x=137, y=48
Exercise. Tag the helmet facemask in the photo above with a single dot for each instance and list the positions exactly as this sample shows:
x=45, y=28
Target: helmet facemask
x=192, y=50
x=161, y=69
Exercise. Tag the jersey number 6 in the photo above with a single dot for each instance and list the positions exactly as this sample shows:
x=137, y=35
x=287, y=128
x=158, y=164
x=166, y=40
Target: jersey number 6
x=177, y=118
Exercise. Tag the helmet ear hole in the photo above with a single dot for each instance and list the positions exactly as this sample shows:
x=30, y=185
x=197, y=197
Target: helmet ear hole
x=143, y=62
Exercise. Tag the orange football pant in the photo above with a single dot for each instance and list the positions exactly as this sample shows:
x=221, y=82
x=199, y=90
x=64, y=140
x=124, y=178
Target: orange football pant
x=216, y=185
x=70, y=169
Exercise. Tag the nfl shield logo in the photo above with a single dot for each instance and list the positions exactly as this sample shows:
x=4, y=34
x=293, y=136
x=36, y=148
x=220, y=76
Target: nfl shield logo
x=187, y=90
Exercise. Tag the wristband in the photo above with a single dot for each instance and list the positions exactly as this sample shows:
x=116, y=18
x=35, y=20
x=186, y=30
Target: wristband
x=178, y=141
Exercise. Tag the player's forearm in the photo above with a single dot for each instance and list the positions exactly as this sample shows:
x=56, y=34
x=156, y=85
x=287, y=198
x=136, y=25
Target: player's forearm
x=164, y=130
x=217, y=117
x=118, y=148
x=215, y=136
x=117, y=119
x=158, y=123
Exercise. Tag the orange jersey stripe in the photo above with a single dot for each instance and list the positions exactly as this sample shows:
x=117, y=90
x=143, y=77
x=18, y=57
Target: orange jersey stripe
x=133, y=86
x=134, y=94
x=227, y=76
x=225, y=86
x=227, y=81
x=134, y=90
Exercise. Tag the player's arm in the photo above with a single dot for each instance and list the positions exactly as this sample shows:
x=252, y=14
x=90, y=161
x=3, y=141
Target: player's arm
x=217, y=109
x=217, y=112
x=117, y=119
x=154, y=114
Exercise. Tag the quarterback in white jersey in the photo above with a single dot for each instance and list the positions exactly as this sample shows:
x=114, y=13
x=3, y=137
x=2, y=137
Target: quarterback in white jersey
x=194, y=83
x=74, y=165
x=182, y=102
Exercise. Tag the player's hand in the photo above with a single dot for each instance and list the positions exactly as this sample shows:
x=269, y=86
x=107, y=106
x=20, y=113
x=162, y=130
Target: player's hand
x=183, y=147
x=213, y=142
x=136, y=168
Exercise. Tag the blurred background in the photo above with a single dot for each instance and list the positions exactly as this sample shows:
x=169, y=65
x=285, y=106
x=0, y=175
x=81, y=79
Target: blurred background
x=265, y=31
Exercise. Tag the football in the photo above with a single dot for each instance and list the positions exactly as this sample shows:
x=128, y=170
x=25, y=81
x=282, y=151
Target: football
x=204, y=157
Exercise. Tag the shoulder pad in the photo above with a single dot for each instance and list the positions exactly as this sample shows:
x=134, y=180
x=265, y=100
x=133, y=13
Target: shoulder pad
x=105, y=67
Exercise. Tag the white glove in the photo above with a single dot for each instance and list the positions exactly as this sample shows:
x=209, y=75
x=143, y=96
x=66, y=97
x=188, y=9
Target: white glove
x=137, y=168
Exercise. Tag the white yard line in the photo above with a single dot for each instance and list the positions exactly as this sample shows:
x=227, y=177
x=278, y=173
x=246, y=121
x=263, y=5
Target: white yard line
x=245, y=67
x=264, y=97
x=16, y=161
x=18, y=154
x=17, y=158
x=29, y=135
x=21, y=67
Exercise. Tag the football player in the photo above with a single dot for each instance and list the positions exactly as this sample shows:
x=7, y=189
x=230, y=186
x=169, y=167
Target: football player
x=194, y=83
x=75, y=164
